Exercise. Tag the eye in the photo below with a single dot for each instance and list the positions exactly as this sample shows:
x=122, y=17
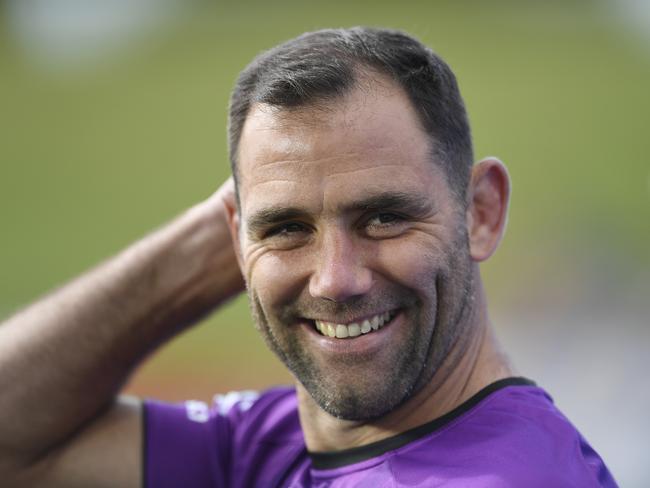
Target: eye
x=286, y=236
x=385, y=225
x=383, y=219
x=288, y=229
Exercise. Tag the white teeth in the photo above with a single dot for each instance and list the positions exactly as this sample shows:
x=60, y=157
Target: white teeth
x=342, y=331
x=375, y=322
x=354, y=330
x=366, y=327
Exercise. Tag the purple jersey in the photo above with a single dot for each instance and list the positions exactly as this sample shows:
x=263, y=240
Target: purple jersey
x=508, y=435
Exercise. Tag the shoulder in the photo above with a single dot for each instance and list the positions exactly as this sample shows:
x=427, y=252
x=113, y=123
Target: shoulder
x=234, y=404
x=240, y=415
x=196, y=441
x=516, y=436
x=270, y=416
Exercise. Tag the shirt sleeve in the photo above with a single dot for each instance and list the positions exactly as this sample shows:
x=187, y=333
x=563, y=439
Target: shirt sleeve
x=190, y=444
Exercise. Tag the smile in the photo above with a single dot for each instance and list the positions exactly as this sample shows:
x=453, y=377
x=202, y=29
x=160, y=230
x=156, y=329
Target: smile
x=354, y=329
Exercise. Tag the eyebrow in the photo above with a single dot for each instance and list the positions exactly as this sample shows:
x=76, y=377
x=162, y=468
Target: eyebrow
x=409, y=203
x=267, y=217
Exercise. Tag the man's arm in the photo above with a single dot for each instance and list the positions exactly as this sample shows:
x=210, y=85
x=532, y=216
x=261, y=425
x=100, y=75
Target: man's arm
x=64, y=358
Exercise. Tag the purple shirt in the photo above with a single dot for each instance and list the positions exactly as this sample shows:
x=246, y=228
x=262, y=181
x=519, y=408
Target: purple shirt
x=508, y=435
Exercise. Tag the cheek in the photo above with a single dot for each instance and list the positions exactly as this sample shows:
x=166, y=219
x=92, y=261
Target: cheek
x=411, y=262
x=276, y=277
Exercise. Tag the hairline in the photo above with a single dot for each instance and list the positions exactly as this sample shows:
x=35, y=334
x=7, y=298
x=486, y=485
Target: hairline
x=365, y=77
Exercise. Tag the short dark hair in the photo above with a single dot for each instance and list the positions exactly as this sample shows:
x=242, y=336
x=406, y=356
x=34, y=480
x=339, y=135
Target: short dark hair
x=319, y=66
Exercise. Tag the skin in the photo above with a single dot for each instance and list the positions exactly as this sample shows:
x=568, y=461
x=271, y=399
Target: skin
x=318, y=239
x=64, y=359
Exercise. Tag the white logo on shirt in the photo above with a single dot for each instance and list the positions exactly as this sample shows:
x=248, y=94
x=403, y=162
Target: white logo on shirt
x=197, y=411
x=243, y=399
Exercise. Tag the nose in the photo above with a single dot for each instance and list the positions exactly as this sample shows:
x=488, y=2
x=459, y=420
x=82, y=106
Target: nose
x=340, y=271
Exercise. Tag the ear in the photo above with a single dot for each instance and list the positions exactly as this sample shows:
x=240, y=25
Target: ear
x=487, y=210
x=234, y=224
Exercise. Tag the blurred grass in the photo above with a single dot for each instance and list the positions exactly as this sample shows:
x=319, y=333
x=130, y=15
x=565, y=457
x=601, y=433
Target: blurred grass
x=91, y=162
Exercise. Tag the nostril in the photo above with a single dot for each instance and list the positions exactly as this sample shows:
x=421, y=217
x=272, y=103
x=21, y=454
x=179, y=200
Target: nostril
x=340, y=283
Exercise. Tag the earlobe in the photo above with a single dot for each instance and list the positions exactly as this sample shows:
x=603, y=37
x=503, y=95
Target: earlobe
x=487, y=212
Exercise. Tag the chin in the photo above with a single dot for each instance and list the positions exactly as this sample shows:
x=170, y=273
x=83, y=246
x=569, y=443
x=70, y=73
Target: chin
x=358, y=402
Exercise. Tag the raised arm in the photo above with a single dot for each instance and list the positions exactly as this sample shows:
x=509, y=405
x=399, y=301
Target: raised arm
x=64, y=359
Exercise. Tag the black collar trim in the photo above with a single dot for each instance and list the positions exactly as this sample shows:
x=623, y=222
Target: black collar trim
x=338, y=459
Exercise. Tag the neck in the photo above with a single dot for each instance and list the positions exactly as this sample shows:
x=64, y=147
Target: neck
x=470, y=366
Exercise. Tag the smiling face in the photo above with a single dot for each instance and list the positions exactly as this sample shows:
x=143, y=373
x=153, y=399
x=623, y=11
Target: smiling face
x=354, y=251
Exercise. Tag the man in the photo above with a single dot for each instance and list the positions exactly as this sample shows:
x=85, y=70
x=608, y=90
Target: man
x=358, y=222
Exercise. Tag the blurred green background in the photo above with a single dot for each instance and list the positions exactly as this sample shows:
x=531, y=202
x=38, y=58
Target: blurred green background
x=112, y=120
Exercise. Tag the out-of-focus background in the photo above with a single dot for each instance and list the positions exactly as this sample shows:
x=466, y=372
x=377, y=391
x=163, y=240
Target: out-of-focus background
x=112, y=120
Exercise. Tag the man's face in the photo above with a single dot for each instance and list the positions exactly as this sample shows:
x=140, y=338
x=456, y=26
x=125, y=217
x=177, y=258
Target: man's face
x=348, y=229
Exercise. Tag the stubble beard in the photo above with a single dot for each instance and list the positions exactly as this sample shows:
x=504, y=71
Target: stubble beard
x=433, y=331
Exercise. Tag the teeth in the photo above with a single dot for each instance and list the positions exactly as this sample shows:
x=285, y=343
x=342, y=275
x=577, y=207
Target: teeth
x=366, y=327
x=375, y=322
x=342, y=331
x=354, y=330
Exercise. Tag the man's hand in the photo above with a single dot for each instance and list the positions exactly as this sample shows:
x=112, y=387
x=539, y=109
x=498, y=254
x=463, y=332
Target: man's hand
x=219, y=203
x=64, y=359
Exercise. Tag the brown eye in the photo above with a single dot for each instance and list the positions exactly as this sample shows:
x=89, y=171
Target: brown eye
x=383, y=219
x=385, y=225
x=286, y=229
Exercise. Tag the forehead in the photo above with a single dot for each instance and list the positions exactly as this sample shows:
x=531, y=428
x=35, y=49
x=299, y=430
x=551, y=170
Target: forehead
x=370, y=140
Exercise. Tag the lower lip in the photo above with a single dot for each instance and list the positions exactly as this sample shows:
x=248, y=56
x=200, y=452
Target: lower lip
x=365, y=343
